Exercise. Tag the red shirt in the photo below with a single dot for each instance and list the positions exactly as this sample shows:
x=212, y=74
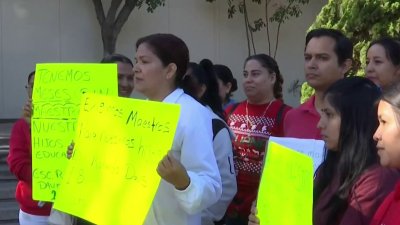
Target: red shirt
x=366, y=195
x=252, y=128
x=302, y=122
x=20, y=163
x=388, y=211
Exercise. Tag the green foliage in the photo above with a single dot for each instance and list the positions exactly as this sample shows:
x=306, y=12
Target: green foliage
x=291, y=9
x=306, y=92
x=151, y=4
x=362, y=21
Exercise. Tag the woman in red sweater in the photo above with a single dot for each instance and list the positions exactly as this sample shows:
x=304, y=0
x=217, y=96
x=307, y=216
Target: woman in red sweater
x=253, y=121
x=388, y=137
x=20, y=162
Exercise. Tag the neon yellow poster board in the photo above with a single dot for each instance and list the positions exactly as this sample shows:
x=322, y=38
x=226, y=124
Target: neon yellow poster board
x=56, y=99
x=285, y=195
x=112, y=177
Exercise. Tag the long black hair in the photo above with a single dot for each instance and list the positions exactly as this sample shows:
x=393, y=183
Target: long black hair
x=203, y=74
x=354, y=99
x=225, y=75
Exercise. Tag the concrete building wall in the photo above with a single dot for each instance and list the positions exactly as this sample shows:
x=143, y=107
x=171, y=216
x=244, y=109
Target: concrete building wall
x=33, y=31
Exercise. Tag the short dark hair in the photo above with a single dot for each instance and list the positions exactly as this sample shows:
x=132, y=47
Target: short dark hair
x=343, y=46
x=114, y=58
x=392, y=48
x=354, y=99
x=225, y=75
x=271, y=65
x=169, y=49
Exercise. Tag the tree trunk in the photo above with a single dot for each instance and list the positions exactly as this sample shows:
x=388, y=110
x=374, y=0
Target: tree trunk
x=109, y=37
x=111, y=24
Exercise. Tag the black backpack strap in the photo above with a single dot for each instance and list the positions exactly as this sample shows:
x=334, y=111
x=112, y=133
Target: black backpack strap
x=231, y=110
x=279, y=115
x=217, y=125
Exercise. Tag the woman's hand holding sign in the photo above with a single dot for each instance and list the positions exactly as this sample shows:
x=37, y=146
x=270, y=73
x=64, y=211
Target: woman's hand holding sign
x=172, y=171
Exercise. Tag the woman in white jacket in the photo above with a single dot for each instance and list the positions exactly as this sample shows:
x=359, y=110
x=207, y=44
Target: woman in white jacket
x=190, y=178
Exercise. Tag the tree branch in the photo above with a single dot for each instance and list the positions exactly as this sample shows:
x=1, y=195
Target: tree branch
x=124, y=14
x=98, y=7
x=247, y=31
x=277, y=38
x=267, y=26
x=112, y=11
x=248, y=25
x=279, y=28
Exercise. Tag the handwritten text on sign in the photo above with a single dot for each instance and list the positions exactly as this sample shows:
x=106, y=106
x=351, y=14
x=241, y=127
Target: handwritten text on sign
x=56, y=99
x=286, y=189
x=112, y=176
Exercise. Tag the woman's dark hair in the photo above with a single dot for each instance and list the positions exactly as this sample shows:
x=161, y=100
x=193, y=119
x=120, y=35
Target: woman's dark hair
x=225, y=75
x=203, y=74
x=392, y=48
x=114, y=58
x=169, y=49
x=30, y=75
x=271, y=65
x=354, y=100
x=391, y=95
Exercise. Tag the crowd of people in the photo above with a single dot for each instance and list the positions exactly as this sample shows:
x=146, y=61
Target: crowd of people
x=212, y=173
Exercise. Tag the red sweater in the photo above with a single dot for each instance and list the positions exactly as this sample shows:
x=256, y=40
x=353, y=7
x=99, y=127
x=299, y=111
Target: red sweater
x=20, y=163
x=388, y=212
x=252, y=132
x=367, y=194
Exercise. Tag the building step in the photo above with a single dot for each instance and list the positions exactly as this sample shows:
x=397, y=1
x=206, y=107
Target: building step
x=5, y=173
x=4, y=153
x=7, y=189
x=5, y=128
x=9, y=210
x=9, y=222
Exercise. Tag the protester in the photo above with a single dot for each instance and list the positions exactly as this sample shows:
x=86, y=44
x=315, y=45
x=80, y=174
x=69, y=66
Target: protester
x=253, y=121
x=350, y=184
x=227, y=84
x=383, y=62
x=125, y=73
x=327, y=58
x=388, y=143
x=190, y=181
x=20, y=163
x=200, y=82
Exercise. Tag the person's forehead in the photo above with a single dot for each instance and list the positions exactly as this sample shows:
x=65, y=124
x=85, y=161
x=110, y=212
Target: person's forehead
x=253, y=64
x=319, y=45
x=124, y=67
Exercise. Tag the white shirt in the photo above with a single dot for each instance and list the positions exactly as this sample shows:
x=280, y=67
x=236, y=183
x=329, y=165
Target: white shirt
x=222, y=145
x=193, y=146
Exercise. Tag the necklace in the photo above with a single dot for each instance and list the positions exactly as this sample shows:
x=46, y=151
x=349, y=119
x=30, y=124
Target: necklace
x=248, y=122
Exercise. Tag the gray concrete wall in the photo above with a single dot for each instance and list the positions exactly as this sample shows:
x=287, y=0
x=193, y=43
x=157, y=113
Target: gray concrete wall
x=33, y=31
